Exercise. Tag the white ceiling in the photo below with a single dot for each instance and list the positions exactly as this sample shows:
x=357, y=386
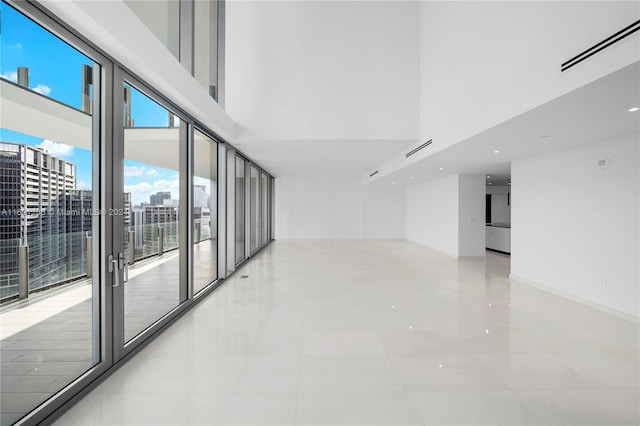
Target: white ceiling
x=596, y=111
x=325, y=157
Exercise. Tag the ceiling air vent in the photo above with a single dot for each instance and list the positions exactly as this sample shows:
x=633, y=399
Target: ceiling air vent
x=424, y=145
x=625, y=32
x=374, y=173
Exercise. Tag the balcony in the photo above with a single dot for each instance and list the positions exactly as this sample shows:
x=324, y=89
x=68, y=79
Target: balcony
x=48, y=339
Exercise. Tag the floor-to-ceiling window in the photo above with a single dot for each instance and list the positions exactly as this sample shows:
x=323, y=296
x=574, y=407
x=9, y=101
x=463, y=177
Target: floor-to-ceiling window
x=264, y=212
x=197, y=49
x=109, y=212
x=49, y=232
x=240, y=211
x=254, y=209
x=205, y=207
x=205, y=45
x=152, y=175
x=270, y=207
x=162, y=17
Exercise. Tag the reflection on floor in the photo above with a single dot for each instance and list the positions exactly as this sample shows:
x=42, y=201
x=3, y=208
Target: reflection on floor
x=364, y=332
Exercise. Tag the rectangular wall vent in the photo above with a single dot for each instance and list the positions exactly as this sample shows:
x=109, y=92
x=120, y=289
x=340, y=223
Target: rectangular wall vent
x=625, y=32
x=424, y=145
x=374, y=173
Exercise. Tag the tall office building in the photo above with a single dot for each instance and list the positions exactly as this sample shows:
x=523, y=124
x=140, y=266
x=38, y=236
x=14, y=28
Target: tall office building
x=158, y=198
x=11, y=224
x=137, y=222
x=79, y=226
x=33, y=209
x=165, y=217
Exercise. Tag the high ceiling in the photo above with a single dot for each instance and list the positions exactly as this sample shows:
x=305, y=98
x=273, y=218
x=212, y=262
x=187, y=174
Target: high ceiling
x=324, y=157
x=596, y=111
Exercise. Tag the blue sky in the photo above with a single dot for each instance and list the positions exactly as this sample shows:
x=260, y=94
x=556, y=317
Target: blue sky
x=55, y=70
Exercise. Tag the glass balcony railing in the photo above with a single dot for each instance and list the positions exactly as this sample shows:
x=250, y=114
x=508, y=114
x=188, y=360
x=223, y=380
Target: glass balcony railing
x=62, y=258
x=51, y=260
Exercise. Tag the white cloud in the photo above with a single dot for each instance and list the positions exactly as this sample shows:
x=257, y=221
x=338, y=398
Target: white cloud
x=56, y=148
x=141, y=188
x=42, y=89
x=141, y=192
x=10, y=75
x=133, y=171
x=167, y=185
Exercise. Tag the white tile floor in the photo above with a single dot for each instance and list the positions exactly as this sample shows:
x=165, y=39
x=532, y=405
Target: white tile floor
x=369, y=333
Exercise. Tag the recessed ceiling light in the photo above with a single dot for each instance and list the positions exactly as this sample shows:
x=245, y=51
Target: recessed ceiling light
x=489, y=183
x=634, y=109
x=488, y=177
x=496, y=151
x=410, y=177
x=508, y=183
x=441, y=168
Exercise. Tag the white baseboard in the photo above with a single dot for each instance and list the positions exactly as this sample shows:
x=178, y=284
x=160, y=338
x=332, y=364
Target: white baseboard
x=622, y=315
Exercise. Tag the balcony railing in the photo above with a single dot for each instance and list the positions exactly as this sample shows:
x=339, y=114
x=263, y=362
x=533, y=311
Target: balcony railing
x=47, y=261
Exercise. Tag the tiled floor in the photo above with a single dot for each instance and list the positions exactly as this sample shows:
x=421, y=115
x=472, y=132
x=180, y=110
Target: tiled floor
x=367, y=333
x=46, y=341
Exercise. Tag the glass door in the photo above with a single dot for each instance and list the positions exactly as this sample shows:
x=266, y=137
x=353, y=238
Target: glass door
x=53, y=332
x=264, y=213
x=149, y=215
x=204, y=211
x=240, y=213
x=254, y=209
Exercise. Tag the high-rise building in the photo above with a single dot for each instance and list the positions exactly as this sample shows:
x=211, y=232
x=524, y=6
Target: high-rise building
x=137, y=222
x=34, y=214
x=11, y=224
x=158, y=198
x=79, y=226
x=165, y=217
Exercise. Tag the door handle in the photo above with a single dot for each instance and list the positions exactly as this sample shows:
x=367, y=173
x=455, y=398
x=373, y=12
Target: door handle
x=113, y=268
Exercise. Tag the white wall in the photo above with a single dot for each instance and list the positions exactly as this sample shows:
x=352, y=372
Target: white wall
x=323, y=207
x=383, y=212
x=432, y=214
x=471, y=212
x=574, y=225
x=483, y=62
x=317, y=207
x=322, y=69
